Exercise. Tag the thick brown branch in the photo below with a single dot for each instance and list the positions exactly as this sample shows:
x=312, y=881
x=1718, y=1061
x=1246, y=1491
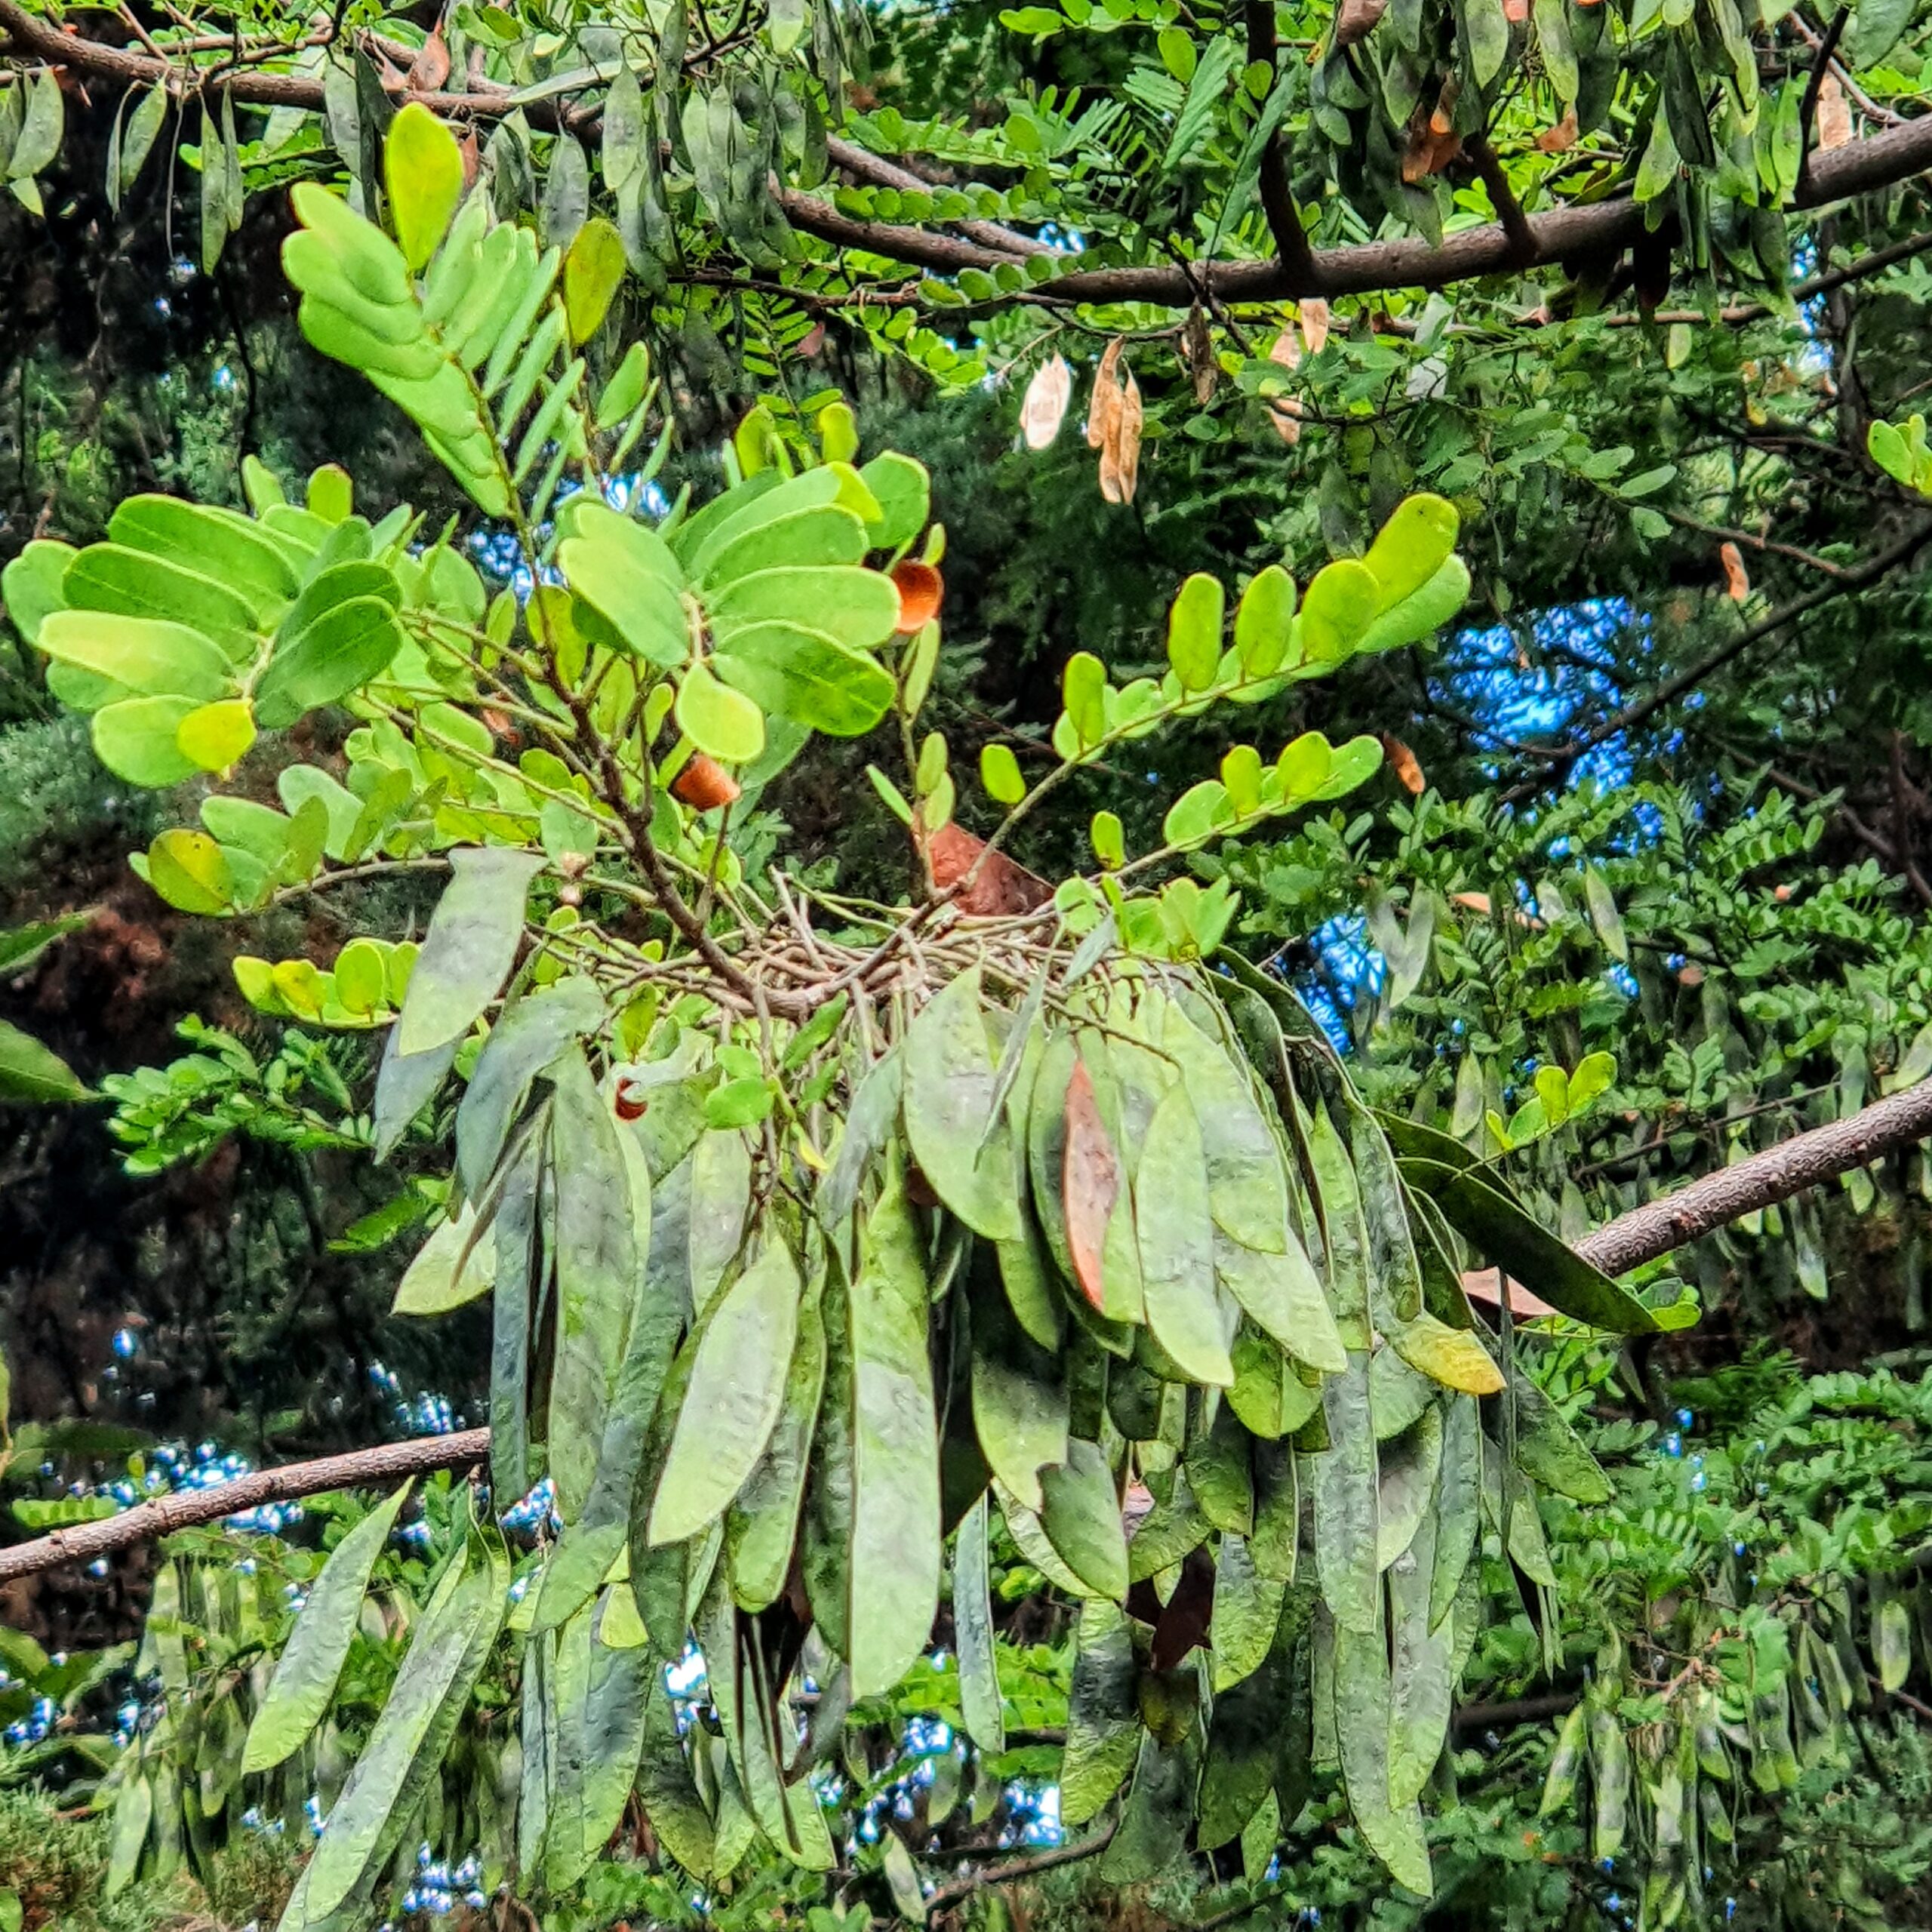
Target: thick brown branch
x=1857, y=168
x=869, y=167
x=1278, y=202
x=1502, y=197
x=1765, y=1179
x=390, y=1463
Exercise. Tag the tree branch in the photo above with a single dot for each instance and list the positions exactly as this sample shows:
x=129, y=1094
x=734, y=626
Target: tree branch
x=1822, y=1154
x=1560, y=759
x=1277, y=202
x=390, y=1463
x=1807, y=109
x=1860, y=167
x=968, y=1883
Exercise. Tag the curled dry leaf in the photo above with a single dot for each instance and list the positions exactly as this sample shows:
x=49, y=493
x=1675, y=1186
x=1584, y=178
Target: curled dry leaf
x=1044, y=408
x=467, y=148
x=1197, y=347
x=1120, y=457
x=431, y=67
x=1472, y=902
x=920, y=587
x=704, y=783
x=1737, y=578
x=1090, y=1183
x=1442, y=117
x=1427, y=152
x=1405, y=765
x=1000, y=888
x=1516, y=12
x=1562, y=137
x=1834, y=114
x=1312, y=317
x=1101, y=411
x=1286, y=412
x=1357, y=19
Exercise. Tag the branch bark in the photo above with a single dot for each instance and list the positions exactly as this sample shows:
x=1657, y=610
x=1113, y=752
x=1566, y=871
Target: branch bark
x=1560, y=758
x=390, y=1462
x=1861, y=167
x=1722, y=1197
x=964, y=1886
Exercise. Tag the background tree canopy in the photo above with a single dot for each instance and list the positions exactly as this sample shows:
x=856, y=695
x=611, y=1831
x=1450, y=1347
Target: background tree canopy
x=907, y=790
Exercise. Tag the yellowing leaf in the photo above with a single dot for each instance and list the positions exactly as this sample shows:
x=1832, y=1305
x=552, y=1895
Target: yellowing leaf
x=593, y=273
x=422, y=169
x=190, y=871
x=216, y=736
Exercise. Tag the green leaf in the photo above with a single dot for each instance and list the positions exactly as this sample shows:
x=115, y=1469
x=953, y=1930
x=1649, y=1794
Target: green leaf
x=114, y=577
x=629, y=576
x=593, y=273
x=213, y=542
x=953, y=1123
x=899, y=486
x=1264, y=622
x=30, y=586
x=1194, y=632
x=422, y=171
x=306, y=1673
x=343, y=649
x=857, y=608
x=529, y=1036
x=1412, y=546
x=134, y=738
x=1341, y=602
x=735, y=1396
x=31, y=1072
x=468, y=952
x=141, y=657
x=1505, y=1236
x=722, y=722
x=895, y=1547
x=999, y=772
x=1176, y=1241
x=796, y=671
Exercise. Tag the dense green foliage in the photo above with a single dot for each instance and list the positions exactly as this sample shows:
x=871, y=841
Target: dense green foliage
x=1637, y=891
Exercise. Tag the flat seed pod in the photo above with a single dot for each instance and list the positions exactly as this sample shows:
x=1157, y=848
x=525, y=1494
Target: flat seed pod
x=740, y=1363
x=1081, y=1518
x=1458, y=1505
x=895, y=1524
x=1244, y=1738
x=1343, y=1481
x=980, y=1700
x=1422, y=1672
x=1406, y=1471
x=1362, y=1692
x=824, y=1533
x=1248, y=1606
x=1281, y=1293
x=762, y=1525
x=1020, y=1403
x=951, y=1122
x=1103, y=1715
x=1176, y=1243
